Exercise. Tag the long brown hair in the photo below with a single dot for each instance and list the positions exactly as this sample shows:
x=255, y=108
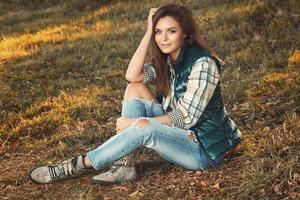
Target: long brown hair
x=184, y=18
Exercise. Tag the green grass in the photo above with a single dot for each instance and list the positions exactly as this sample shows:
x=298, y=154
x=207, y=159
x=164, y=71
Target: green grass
x=62, y=67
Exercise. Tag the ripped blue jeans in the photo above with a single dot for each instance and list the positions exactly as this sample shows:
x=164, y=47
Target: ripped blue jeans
x=173, y=144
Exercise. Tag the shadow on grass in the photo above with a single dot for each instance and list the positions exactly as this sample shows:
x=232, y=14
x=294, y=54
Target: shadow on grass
x=152, y=166
x=17, y=15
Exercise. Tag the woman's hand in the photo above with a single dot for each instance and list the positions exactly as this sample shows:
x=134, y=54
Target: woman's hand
x=150, y=16
x=123, y=123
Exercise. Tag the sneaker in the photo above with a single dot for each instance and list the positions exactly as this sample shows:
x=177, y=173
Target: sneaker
x=70, y=168
x=116, y=174
x=122, y=171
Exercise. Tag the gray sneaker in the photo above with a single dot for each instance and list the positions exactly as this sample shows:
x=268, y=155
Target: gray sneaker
x=70, y=168
x=122, y=170
x=116, y=174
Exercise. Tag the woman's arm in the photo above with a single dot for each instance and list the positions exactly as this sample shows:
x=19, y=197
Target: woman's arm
x=135, y=69
x=201, y=85
x=125, y=122
x=164, y=119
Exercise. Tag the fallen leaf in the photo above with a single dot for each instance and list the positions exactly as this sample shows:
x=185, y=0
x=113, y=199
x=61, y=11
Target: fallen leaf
x=202, y=184
x=93, y=122
x=296, y=177
x=10, y=187
x=61, y=144
x=277, y=189
x=244, y=106
x=216, y=186
x=14, y=144
x=134, y=193
x=126, y=189
x=199, y=173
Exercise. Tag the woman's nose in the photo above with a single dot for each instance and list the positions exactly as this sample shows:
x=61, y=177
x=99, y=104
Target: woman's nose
x=165, y=36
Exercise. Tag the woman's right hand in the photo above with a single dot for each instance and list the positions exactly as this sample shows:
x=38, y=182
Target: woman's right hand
x=150, y=17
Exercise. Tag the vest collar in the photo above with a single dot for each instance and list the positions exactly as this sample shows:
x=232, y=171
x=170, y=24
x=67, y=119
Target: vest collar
x=181, y=56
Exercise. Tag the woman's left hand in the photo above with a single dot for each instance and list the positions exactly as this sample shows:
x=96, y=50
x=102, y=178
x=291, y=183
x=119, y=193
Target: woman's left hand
x=123, y=123
x=150, y=16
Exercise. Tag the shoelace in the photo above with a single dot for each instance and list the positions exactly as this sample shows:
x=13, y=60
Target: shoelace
x=59, y=171
x=53, y=172
x=122, y=162
x=113, y=168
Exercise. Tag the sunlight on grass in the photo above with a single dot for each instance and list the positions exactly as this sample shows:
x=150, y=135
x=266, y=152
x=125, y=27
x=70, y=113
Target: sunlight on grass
x=44, y=118
x=294, y=59
x=248, y=7
x=14, y=47
x=276, y=77
x=101, y=11
x=240, y=8
x=19, y=46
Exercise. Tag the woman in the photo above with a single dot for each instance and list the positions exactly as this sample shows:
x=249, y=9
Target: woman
x=190, y=128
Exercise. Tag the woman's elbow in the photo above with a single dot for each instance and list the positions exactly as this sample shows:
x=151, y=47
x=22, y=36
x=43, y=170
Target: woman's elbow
x=132, y=79
x=129, y=78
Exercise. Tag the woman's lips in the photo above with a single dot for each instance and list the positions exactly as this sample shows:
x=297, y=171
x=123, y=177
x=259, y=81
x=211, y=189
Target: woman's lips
x=165, y=45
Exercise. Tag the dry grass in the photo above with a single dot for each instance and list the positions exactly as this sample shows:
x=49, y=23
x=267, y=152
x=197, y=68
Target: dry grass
x=62, y=67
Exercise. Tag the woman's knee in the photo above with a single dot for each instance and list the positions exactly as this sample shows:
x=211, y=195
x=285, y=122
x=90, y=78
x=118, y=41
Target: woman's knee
x=137, y=90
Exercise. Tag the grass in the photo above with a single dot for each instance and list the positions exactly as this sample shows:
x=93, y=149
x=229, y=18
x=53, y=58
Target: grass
x=62, y=66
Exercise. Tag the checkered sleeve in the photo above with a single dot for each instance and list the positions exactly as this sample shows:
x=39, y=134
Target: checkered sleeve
x=201, y=84
x=149, y=74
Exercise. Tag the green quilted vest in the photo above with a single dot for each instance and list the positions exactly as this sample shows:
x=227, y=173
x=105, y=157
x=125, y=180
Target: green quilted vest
x=216, y=132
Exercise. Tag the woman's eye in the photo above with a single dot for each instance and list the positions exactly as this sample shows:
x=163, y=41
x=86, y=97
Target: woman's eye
x=157, y=32
x=172, y=31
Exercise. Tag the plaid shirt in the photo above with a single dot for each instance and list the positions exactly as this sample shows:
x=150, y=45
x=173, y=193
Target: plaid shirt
x=201, y=84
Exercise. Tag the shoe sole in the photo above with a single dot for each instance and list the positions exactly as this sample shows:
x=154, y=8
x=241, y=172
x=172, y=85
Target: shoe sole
x=52, y=181
x=111, y=182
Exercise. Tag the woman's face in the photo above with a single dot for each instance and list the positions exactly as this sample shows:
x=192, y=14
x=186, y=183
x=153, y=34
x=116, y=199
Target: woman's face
x=169, y=36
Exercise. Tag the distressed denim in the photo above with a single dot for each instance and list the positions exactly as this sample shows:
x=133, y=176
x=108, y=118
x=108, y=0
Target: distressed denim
x=171, y=143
